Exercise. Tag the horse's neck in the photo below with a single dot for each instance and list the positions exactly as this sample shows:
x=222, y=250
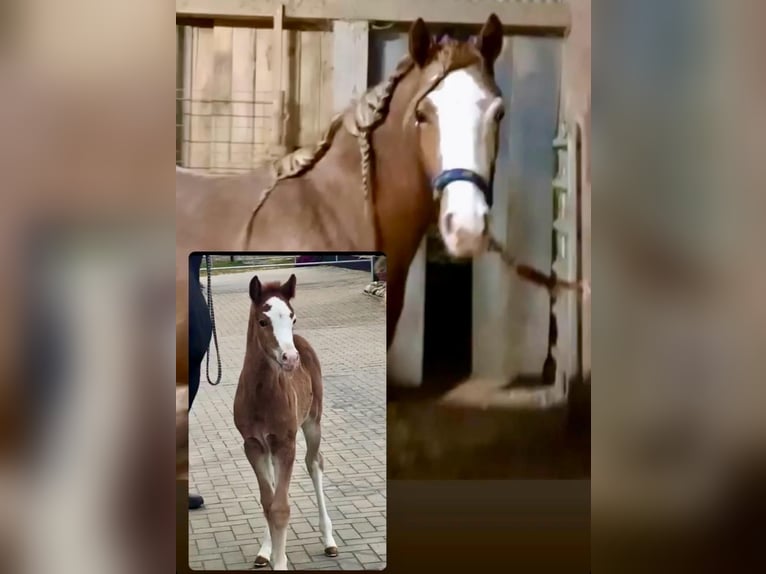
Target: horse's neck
x=336, y=181
x=255, y=354
x=403, y=193
x=399, y=187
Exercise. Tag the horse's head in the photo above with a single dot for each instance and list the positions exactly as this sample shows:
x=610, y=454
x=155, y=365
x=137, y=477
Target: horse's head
x=272, y=318
x=457, y=112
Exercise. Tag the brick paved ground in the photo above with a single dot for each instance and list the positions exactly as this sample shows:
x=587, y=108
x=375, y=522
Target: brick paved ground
x=347, y=329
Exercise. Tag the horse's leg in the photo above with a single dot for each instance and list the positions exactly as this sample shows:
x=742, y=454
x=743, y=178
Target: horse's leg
x=315, y=465
x=260, y=460
x=264, y=554
x=279, y=513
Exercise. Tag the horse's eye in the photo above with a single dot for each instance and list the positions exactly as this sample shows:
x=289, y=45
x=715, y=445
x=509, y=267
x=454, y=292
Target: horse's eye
x=420, y=117
x=294, y=321
x=263, y=322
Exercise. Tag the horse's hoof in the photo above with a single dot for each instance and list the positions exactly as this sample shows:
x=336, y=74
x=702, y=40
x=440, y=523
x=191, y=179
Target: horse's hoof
x=331, y=551
x=260, y=562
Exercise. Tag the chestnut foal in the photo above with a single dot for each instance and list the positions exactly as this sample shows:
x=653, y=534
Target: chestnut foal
x=280, y=389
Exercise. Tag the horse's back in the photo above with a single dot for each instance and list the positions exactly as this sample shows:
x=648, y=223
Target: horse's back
x=212, y=210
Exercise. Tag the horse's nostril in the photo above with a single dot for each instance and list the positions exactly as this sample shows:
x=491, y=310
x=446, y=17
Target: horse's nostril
x=284, y=356
x=448, y=222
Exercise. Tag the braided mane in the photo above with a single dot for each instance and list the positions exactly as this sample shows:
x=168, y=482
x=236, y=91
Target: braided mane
x=360, y=119
x=364, y=114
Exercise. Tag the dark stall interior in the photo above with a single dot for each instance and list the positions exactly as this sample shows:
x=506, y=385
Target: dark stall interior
x=448, y=328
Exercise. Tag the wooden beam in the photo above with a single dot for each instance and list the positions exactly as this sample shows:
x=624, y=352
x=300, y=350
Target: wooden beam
x=279, y=95
x=532, y=16
x=351, y=46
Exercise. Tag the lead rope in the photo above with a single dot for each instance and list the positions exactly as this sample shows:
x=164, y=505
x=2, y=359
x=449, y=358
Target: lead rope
x=552, y=283
x=215, y=332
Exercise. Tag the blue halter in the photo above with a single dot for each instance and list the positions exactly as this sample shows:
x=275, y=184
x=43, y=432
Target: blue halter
x=451, y=175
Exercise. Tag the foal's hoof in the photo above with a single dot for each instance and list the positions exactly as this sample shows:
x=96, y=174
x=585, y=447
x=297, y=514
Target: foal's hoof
x=331, y=551
x=260, y=562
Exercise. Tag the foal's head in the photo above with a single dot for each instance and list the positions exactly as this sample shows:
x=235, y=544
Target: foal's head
x=272, y=319
x=457, y=119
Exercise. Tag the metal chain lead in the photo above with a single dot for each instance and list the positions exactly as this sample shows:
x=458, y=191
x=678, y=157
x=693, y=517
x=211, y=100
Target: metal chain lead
x=215, y=332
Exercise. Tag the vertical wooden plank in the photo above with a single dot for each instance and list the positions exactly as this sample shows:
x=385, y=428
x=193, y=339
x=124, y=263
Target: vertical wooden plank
x=221, y=149
x=310, y=78
x=180, y=72
x=277, y=110
x=291, y=87
x=577, y=103
x=532, y=126
x=511, y=336
x=202, y=91
x=492, y=283
x=586, y=241
x=243, y=95
x=263, y=87
x=351, y=46
x=188, y=73
x=566, y=262
x=405, y=356
x=327, y=72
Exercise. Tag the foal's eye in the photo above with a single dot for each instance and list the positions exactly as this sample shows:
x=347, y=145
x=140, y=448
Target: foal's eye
x=420, y=117
x=263, y=322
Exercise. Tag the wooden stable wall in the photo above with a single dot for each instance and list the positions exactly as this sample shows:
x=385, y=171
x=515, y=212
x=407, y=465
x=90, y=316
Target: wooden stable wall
x=232, y=63
x=228, y=98
x=577, y=108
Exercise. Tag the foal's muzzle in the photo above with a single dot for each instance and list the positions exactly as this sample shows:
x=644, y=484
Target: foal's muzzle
x=290, y=360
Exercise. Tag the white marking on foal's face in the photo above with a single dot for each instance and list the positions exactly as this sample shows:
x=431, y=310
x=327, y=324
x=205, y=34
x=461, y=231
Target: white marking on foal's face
x=282, y=321
x=467, y=114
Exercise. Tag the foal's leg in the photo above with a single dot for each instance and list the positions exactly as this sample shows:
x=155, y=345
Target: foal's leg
x=315, y=465
x=260, y=460
x=264, y=554
x=279, y=512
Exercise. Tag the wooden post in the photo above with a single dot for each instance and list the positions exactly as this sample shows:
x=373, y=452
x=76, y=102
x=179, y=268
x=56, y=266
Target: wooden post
x=350, y=51
x=278, y=102
x=565, y=264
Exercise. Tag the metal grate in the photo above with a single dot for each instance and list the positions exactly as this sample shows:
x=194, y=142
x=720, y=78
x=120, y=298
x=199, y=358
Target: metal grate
x=224, y=135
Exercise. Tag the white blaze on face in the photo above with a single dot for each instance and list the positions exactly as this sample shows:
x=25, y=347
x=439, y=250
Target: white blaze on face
x=465, y=111
x=282, y=320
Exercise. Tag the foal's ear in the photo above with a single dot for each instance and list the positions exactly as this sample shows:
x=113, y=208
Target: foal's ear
x=420, y=42
x=256, y=290
x=490, y=40
x=288, y=289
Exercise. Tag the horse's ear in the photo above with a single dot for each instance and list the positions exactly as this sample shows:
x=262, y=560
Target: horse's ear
x=420, y=42
x=255, y=290
x=490, y=40
x=288, y=289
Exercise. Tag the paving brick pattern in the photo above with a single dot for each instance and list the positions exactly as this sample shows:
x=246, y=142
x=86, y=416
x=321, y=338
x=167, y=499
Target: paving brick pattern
x=347, y=329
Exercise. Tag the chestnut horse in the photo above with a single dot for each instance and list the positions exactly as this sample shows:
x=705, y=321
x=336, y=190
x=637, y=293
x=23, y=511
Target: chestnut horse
x=418, y=147
x=279, y=390
x=421, y=145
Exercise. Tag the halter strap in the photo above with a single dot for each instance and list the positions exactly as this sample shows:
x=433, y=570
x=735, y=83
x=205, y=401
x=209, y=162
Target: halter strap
x=451, y=175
